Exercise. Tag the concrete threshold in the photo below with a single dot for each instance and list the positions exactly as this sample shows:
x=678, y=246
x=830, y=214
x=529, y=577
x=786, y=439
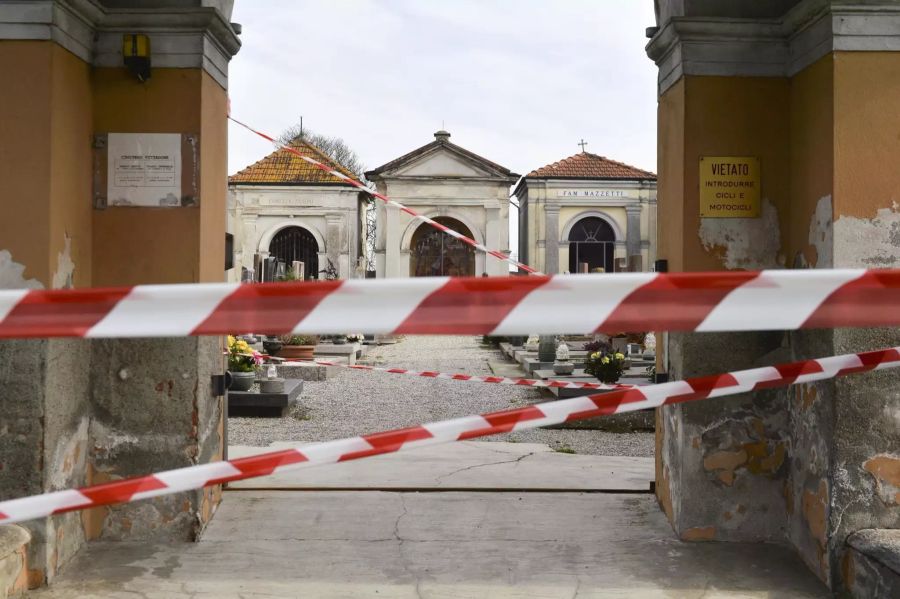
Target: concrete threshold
x=650, y=490
x=272, y=544
x=464, y=466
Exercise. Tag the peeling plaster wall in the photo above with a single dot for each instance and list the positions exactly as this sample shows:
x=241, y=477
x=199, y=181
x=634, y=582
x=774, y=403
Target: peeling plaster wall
x=868, y=242
x=65, y=268
x=821, y=233
x=745, y=243
x=725, y=463
x=153, y=410
x=12, y=274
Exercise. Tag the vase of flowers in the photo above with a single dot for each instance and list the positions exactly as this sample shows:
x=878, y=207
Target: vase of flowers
x=298, y=347
x=605, y=364
x=243, y=361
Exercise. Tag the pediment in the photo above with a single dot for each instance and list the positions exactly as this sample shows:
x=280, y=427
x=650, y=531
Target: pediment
x=443, y=163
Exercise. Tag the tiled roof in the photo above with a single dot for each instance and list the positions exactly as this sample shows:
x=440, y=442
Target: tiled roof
x=590, y=166
x=282, y=167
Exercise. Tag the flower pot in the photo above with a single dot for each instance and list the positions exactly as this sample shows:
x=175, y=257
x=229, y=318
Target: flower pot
x=241, y=381
x=297, y=352
x=272, y=347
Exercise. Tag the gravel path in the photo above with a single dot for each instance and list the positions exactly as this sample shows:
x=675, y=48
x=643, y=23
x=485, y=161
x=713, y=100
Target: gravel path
x=353, y=402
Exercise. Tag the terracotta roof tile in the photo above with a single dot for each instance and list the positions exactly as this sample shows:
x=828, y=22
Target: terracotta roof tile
x=283, y=167
x=590, y=166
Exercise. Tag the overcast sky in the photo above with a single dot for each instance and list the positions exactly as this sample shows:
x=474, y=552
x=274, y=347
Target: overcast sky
x=518, y=81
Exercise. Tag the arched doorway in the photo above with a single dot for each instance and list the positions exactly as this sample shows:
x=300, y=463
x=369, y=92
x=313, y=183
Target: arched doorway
x=296, y=243
x=592, y=241
x=433, y=253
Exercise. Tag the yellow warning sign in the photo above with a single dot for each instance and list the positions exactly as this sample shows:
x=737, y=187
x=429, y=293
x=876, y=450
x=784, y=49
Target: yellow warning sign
x=729, y=187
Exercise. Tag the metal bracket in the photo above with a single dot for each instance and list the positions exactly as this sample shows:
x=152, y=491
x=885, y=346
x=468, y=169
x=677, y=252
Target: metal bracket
x=219, y=384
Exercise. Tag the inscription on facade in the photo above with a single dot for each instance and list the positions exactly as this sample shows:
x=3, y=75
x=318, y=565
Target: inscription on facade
x=289, y=202
x=589, y=193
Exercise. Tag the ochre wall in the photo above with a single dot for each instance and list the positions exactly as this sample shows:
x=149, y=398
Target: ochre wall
x=24, y=154
x=213, y=179
x=734, y=116
x=812, y=158
x=137, y=244
x=670, y=190
x=866, y=132
x=70, y=155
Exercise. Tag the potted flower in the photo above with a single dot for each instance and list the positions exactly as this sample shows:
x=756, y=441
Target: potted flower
x=243, y=361
x=298, y=347
x=605, y=364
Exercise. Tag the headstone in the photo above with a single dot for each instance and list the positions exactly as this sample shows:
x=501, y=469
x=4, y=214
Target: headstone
x=547, y=348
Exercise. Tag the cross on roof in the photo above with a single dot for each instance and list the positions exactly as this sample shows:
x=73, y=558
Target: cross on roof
x=582, y=143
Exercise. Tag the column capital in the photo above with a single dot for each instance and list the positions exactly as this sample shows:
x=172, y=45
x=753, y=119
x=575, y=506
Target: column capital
x=198, y=37
x=743, y=39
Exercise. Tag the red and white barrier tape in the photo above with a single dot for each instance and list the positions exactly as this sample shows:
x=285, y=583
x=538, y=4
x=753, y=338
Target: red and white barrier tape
x=469, y=378
x=459, y=429
x=613, y=303
x=468, y=240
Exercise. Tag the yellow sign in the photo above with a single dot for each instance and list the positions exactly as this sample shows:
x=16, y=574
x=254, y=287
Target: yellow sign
x=729, y=187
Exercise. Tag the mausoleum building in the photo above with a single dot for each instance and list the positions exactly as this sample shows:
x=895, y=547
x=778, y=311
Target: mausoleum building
x=587, y=212
x=286, y=208
x=457, y=188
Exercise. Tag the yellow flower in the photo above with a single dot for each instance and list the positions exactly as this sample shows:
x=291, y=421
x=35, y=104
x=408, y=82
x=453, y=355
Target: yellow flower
x=605, y=360
x=230, y=340
x=620, y=356
x=595, y=355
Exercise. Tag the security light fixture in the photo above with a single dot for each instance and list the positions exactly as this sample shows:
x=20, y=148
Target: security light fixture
x=136, y=53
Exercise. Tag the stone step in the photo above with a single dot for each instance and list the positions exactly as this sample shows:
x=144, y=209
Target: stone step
x=13, y=567
x=872, y=563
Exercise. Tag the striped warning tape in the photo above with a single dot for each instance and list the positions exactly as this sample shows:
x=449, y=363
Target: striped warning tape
x=724, y=301
x=470, y=378
x=481, y=248
x=459, y=429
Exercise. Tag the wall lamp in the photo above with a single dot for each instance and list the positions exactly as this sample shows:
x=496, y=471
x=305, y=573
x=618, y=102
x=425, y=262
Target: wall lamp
x=136, y=52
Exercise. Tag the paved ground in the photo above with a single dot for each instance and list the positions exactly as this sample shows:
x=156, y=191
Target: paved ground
x=267, y=544
x=354, y=402
x=466, y=466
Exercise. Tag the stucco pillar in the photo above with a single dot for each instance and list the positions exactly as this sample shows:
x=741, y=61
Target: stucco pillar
x=87, y=411
x=633, y=230
x=811, y=464
x=551, y=243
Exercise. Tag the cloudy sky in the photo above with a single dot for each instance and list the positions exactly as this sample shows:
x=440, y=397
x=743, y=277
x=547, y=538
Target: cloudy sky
x=518, y=81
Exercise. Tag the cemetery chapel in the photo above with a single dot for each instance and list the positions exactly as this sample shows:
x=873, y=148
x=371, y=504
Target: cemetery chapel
x=584, y=213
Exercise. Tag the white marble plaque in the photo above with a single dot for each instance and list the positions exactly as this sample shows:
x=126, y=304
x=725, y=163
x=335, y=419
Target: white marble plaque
x=144, y=169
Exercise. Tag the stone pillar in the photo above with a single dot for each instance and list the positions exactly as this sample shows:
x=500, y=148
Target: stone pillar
x=551, y=244
x=493, y=239
x=332, y=240
x=392, y=233
x=633, y=230
x=92, y=411
x=808, y=465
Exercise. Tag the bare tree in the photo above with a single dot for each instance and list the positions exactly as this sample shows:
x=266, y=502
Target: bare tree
x=333, y=147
